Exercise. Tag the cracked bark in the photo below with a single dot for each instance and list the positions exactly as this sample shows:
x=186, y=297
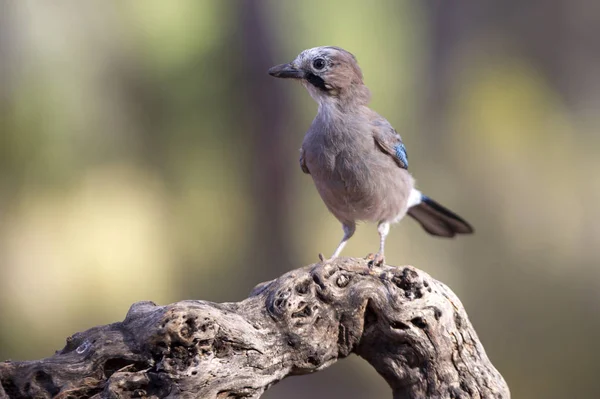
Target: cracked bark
x=411, y=328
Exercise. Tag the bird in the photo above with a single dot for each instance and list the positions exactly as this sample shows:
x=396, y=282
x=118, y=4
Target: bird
x=357, y=160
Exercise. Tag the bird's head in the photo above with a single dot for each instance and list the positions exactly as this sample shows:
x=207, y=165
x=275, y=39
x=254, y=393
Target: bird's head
x=328, y=73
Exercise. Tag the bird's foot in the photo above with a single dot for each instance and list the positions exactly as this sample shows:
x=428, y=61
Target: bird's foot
x=324, y=260
x=375, y=259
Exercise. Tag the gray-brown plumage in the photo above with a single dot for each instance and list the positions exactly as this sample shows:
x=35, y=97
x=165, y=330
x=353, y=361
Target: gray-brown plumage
x=355, y=157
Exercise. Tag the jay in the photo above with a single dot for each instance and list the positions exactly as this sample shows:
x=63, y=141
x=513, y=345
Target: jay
x=357, y=160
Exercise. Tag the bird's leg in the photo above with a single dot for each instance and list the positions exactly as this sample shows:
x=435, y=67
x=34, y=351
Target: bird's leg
x=383, y=228
x=349, y=229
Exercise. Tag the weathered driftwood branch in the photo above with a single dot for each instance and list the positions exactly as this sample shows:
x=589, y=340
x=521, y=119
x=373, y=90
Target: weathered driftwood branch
x=410, y=327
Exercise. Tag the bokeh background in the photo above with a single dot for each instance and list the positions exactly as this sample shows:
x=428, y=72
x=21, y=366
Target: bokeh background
x=145, y=154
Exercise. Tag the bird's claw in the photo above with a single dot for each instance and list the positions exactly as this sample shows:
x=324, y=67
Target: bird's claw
x=324, y=260
x=375, y=260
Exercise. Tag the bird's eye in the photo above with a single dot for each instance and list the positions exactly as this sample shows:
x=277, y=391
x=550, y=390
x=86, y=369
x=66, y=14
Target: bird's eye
x=319, y=64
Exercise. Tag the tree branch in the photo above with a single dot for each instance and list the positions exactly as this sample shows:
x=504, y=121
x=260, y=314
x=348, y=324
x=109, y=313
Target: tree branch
x=411, y=328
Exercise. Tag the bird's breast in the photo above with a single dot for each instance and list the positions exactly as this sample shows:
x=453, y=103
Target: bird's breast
x=356, y=180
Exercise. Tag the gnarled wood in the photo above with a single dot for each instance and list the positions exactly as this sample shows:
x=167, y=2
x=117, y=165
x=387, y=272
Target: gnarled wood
x=411, y=328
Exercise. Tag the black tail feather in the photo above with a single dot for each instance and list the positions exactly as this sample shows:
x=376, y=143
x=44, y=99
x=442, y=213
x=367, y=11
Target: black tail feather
x=438, y=220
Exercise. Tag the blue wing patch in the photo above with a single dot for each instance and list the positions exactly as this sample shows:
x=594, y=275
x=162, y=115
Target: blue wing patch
x=401, y=155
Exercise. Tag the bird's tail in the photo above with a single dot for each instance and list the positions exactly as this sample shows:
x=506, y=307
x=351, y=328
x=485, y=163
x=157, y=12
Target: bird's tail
x=438, y=220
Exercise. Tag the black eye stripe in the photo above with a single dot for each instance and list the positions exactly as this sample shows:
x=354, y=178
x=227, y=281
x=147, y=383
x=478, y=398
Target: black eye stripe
x=316, y=81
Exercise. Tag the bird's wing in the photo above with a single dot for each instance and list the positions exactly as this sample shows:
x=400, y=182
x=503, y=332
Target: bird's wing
x=390, y=142
x=303, y=162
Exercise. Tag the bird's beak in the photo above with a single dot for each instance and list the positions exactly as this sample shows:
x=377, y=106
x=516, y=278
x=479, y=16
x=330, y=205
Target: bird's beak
x=286, y=71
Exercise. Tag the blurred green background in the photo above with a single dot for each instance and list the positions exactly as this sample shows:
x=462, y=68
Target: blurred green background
x=145, y=154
